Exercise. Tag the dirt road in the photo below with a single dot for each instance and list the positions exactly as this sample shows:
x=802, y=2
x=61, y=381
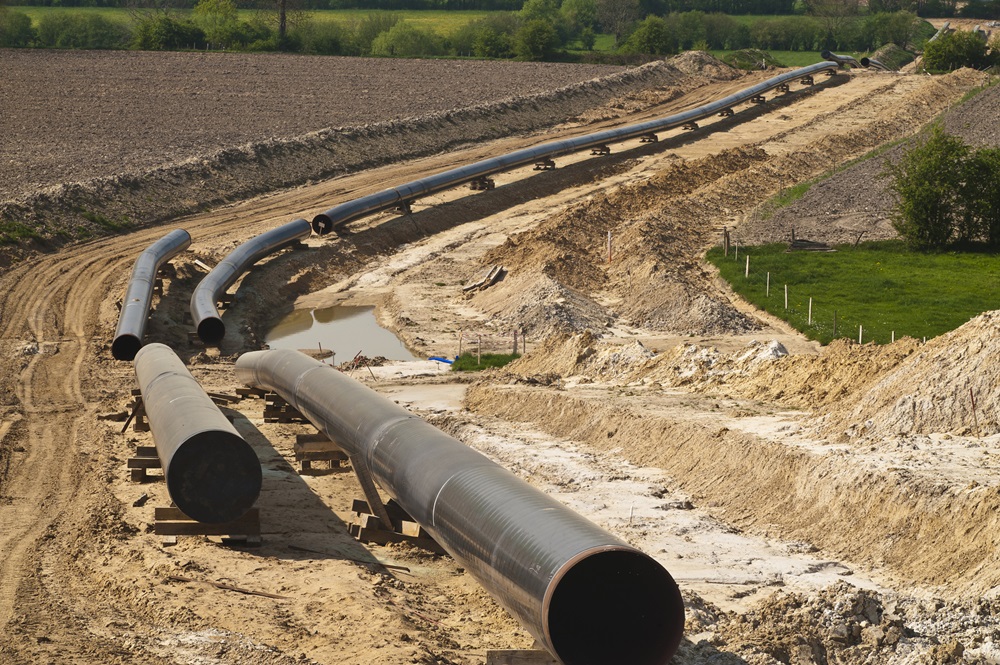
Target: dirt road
x=82, y=578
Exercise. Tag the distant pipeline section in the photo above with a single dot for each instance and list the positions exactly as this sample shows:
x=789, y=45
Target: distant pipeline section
x=212, y=473
x=210, y=290
x=336, y=217
x=139, y=293
x=589, y=597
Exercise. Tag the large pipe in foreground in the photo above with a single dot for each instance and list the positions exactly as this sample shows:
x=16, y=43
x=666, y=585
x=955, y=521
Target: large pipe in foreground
x=339, y=215
x=212, y=474
x=210, y=290
x=139, y=293
x=589, y=597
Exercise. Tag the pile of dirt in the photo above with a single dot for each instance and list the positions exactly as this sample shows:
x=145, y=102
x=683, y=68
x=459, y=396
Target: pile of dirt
x=856, y=199
x=946, y=385
x=700, y=63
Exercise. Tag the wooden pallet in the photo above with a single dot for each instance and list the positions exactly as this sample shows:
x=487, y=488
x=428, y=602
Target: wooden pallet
x=170, y=522
x=368, y=528
x=311, y=448
x=277, y=410
x=145, y=458
x=519, y=657
x=251, y=393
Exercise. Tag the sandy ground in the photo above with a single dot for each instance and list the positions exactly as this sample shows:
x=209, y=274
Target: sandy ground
x=793, y=542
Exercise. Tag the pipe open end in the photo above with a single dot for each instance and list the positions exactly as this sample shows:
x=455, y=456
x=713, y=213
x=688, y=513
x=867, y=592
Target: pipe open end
x=124, y=347
x=214, y=477
x=211, y=330
x=613, y=607
x=322, y=225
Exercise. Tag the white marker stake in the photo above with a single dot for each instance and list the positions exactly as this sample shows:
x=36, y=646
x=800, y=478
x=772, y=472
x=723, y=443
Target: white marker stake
x=768, y=291
x=810, y=311
x=746, y=273
x=786, y=296
x=894, y=336
x=860, y=332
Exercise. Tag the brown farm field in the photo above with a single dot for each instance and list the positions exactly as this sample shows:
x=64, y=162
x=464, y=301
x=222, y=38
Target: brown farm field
x=817, y=506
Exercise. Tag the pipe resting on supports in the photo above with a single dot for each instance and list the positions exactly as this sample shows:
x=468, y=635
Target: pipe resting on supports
x=212, y=473
x=204, y=312
x=139, y=293
x=586, y=595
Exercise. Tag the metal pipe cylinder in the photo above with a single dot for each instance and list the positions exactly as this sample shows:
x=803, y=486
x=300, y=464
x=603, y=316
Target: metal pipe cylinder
x=335, y=217
x=204, y=312
x=840, y=59
x=212, y=473
x=589, y=597
x=139, y=293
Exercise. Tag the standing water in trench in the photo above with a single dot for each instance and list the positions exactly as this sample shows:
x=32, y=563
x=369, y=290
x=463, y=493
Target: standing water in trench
x=343, y=330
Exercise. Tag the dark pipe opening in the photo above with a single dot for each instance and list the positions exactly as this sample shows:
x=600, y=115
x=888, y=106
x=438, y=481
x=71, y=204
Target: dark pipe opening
x=865, y=62
x=214, y=477
x=211, y=330
x=125, y=347
x=614, y=608
x=322, y=225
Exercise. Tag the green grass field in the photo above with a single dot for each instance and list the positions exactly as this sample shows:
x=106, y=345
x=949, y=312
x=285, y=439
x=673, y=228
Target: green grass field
x=787, y=58
x=442, y=22
x=881, y=286
x=468, y=362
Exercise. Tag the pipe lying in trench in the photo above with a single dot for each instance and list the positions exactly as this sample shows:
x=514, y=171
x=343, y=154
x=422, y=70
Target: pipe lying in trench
x=589, y=597
x=139, y=293
x=336, y=217
x=875, y=64
x=212, y=473
x=840, y=59
x=204, y=312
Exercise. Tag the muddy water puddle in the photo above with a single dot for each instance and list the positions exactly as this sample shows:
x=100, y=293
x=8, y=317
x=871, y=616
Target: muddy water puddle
x=341, y=329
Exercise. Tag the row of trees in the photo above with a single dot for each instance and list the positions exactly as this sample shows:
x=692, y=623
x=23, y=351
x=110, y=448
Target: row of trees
x=948, y=194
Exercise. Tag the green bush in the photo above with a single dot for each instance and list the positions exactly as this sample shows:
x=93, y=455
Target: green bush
x=164, y=32
x=947, y=194
x=404, y=40
x=961, y=48
x=326, y=38
x=489, y=37
x=536, y=40
x=81, y=31
x=15, y=29
x=365, y=31
x=653, y=36
x=468, y=363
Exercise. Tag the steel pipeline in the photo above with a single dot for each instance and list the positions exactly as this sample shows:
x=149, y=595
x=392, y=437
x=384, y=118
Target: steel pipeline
x=339, y=215
x=204, y=312
x=139, y=293
x=840, y=59
x=589, y=597
x=873, y=63
x=212, y=474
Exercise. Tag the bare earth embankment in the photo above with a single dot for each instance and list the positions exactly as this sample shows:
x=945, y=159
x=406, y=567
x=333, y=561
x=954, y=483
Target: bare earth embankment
x=828, y=506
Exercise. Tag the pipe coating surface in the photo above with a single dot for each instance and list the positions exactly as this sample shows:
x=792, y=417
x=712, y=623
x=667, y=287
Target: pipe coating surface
x=588, y=596
x=212, y=473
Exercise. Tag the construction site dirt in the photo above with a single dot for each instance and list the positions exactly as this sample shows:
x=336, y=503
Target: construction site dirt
x=815, y=505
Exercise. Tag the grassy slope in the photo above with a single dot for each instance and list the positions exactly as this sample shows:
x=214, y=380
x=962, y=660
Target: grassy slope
x=881, y=286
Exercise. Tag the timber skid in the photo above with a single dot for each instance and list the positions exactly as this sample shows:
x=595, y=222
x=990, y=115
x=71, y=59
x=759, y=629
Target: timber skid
x=405, y=208
x=317, y=447
x=519, y=657
x=545, y=165
x=726, y=113
x=806, y=80
x=277, y=410
x=601, y=150
x=689, y=126
x=783, y=88
x=482, y=184
x=758, y=99
x=368, y=527
x=649, y=138
x=170, y=522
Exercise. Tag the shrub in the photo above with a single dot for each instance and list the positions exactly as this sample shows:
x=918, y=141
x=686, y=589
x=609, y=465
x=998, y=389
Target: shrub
x=15, y=29
x=325, y=38
x=406, y=40
x=653, y=36
x=164, y=32
x=961, y=48
x=365, y=31
x=81, y=31
x=489, y=37
x=536, y=40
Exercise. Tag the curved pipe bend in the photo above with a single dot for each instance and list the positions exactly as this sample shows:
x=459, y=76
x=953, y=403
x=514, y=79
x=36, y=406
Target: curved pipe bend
x=336, y=217
x=204, y=311
x=139, y=293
